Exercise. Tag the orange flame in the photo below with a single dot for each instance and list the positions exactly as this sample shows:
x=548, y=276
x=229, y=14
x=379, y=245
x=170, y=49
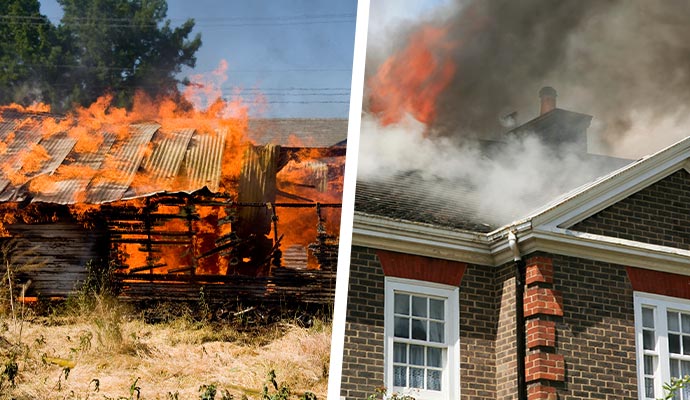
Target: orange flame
x=101, y=130
x=411, y=80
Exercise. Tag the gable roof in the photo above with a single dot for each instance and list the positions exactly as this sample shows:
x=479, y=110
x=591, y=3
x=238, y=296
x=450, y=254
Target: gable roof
x=547, y=229
x=594, y=196
x=443, y=202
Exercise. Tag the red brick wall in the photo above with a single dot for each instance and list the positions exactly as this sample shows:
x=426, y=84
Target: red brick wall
x=596, y=335
x=363, y=347
x=505, y=347
x=486, y=332
x=479, y=316
x=585, y=349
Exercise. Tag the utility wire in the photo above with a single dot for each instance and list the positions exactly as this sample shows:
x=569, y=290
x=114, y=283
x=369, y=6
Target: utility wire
x=117, y=68
x=211, y=23
x=216, y=19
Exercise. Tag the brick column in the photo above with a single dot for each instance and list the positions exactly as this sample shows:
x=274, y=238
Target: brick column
x=543, y=306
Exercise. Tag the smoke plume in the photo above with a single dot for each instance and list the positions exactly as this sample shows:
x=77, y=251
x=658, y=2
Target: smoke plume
x=623, y=62
x=520, y=175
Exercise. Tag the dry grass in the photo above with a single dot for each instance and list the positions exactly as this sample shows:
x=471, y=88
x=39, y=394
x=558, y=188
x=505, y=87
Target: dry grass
x=175, y=357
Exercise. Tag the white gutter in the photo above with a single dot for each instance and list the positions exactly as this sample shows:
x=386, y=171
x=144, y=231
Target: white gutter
x=420, y=239
x=614, y=250
x=499, y=247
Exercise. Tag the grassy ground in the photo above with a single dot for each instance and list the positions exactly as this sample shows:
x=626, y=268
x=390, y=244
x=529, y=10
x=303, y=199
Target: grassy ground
x=110, y=352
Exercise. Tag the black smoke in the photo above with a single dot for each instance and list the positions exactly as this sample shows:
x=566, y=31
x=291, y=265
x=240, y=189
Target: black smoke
x=627, y=63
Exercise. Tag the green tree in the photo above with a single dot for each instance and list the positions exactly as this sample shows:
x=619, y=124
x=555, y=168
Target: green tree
x=124, y=45
x=29, y=52
x=100, y=46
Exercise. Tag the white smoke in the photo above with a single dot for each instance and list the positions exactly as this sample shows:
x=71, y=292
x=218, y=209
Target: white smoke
x=517, y=177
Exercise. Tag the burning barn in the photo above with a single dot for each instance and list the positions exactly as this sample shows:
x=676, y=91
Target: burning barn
x=244, y=209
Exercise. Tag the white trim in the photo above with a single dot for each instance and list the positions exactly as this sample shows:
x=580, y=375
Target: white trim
x=660, y=304
x=451, y=370
x=420, y=239
x=481, y=249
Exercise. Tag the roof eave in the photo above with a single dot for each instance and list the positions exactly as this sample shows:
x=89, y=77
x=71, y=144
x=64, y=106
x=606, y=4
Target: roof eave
x=420, y=239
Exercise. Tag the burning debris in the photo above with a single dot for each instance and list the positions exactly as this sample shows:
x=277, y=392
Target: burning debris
x=187, y=198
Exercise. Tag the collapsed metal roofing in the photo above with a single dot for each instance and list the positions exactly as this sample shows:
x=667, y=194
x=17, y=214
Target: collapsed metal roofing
x=187, y=157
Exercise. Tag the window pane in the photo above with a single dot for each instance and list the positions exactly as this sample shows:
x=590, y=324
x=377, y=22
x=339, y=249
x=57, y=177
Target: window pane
x=649, y=387
x=675, y=368
x=648, y=365
x=674, y=343
x=685, y=368
x=673, y=324
x=648, y=318
x=686, y=345
x=419, y=306
x=433, y=380
x=418, y=329
x=436, y=309
x=417, y=378
x=416, y=355
x=402, y=304
x=685, y=319
x=433, y=357
x=436, y=332
x=399, y=376
x=402, y=327
x=648, y=340
x=399, y=352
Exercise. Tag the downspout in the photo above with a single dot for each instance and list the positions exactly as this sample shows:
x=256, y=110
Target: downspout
x=519, y=266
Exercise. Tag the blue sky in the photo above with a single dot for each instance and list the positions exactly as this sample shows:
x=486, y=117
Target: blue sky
x=297, y=52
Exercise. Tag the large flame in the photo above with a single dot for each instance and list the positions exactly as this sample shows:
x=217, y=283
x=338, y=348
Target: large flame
x=410, y=81
x=102, y=129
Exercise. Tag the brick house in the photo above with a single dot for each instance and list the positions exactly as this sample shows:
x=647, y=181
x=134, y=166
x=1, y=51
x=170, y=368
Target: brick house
x=588, y=297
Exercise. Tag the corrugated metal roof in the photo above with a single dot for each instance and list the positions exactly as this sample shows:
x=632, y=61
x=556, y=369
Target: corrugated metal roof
x=118, y=170
x=6, y=127
x=25, y=134
x=168, y=153
x=146, y=161
x=73, y=189
x=57, y=147
x=203, y=162
x=160, y=169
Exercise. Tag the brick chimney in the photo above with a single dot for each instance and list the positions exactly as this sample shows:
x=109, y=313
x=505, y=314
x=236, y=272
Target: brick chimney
x=548, y=95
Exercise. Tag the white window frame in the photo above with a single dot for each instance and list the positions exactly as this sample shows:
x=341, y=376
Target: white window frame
x=662, y=372
x=451, y=363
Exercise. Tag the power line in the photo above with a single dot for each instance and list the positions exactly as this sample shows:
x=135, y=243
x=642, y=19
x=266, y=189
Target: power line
x=123, y=68
x=295, y=102
x=209, y=23
x=292, y=88
x=216, y=19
